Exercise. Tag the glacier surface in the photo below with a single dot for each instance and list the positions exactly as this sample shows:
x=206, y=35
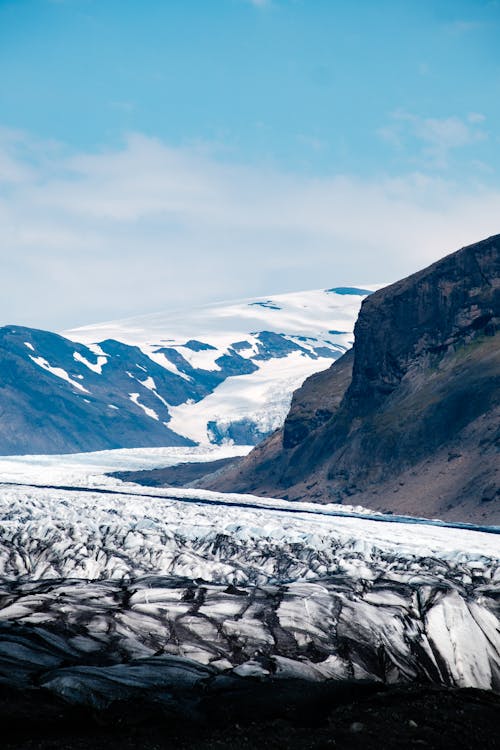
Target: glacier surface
x=110, y=590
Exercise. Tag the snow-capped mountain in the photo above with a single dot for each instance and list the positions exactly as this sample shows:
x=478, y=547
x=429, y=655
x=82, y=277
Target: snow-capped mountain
x=239, y=362
x=224, y=371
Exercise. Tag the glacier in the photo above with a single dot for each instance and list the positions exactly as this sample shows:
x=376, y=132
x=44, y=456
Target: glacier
x=109, y=590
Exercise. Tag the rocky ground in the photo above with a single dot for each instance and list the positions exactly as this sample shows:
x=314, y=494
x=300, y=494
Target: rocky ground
x=180, y=475
x=305, y=715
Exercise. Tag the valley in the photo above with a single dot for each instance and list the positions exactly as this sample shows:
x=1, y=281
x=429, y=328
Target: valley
x=354, y=552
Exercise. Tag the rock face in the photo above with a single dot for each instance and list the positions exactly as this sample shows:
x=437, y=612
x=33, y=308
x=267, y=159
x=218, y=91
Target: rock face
x=413, y=427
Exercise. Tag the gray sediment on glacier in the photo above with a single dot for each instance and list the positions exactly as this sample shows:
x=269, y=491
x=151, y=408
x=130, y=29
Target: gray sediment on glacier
x=106, y=595
x=95, y=642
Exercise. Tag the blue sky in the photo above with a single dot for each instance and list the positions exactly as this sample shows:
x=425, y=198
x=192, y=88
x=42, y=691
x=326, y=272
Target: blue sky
x=381, y=112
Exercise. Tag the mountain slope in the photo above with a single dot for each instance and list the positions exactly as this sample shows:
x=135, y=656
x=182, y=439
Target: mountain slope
x=248, y=356
x=215, y=373
x=56, y=396
x=417, y=427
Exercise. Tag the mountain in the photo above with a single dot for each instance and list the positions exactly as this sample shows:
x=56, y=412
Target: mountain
x=409, y=421
x=215, y=373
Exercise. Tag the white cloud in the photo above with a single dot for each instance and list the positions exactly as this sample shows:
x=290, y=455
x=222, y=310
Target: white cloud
x=92, y=236
x=475, y=117
x=438, y=137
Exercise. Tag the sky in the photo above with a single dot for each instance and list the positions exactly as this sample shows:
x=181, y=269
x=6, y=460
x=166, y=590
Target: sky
x=160, y=154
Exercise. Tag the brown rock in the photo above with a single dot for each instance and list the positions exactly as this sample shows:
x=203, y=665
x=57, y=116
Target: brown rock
x=419, y=411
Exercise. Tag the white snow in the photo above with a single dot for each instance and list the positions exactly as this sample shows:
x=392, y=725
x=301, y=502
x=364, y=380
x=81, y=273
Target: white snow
x=29, y=346
x=150, y=384
x=311, y=319
x=58, y=372
x=202, y=360
x=263, y=397
x=307, y=313
x=94, y=366
x=161, y=360
x=134, y=397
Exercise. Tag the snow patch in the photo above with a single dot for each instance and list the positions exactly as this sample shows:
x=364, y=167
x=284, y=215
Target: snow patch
x=94, y=366
x=150, y=384
x=58, y=372
x=134, y=397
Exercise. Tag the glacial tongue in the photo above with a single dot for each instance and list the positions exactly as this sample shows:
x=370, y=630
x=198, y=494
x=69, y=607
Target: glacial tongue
x=98, y=642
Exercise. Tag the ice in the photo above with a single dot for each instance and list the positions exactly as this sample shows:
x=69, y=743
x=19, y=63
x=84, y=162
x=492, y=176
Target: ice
x=262, y=397
x=333, y=631
x=251, y=669
x=460, y=641
x=178, y=584
x=248, y=631
x=203, y=534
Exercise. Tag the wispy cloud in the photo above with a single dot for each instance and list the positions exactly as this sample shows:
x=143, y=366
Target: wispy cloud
x=475, y=117
x=436, y=138
x=89, y=236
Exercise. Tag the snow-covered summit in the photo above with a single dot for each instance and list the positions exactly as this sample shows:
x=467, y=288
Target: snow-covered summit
x=217, y=373
x=317, y=313
x=248, y=355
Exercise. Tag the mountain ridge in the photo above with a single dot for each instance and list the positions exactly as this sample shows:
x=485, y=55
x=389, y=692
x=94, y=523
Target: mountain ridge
x=414, y=428
x=225, y=372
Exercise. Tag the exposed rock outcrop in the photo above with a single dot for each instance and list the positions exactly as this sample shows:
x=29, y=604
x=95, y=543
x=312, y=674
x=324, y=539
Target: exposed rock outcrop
x=415, y=427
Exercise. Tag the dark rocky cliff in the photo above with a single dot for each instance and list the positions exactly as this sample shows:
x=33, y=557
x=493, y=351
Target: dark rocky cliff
x=413, y=427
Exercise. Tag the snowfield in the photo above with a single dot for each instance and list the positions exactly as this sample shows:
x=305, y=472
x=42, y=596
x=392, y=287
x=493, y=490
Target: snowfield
x=108, y=589
x=220, y=325
x=269, y=345
x=261, y=398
